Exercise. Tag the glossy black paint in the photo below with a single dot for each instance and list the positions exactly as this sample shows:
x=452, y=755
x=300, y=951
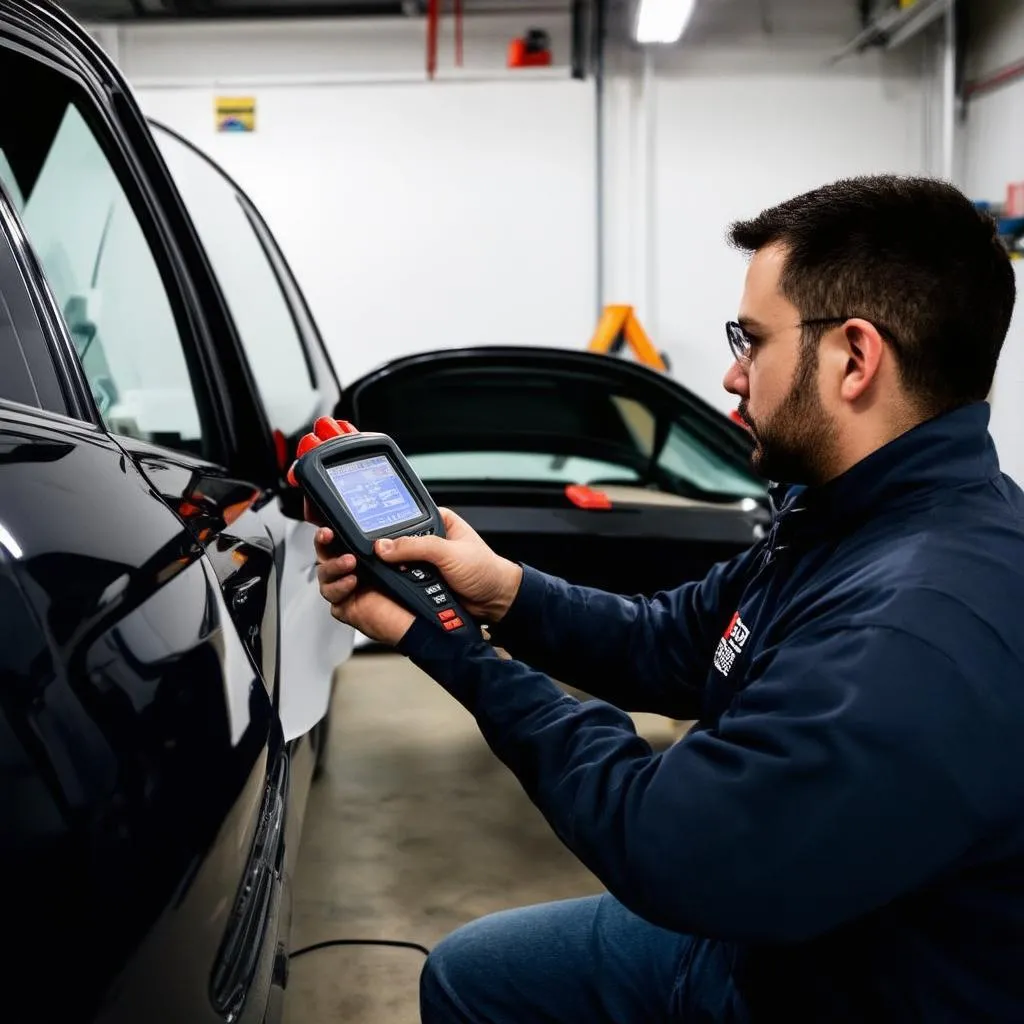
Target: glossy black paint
x=130, y=792
x=146, y=825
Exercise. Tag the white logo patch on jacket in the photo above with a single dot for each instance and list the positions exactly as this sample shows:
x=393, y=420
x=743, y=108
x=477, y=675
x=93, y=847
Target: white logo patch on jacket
x=731, y=644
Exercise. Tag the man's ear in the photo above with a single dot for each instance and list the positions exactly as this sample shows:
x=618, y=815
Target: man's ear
x=864, y=349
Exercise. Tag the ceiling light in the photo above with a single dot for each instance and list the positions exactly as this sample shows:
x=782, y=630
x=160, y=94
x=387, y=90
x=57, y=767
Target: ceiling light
x=662, y=21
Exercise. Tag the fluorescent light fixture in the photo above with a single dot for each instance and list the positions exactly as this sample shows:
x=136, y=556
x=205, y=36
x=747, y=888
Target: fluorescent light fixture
x=662, y=21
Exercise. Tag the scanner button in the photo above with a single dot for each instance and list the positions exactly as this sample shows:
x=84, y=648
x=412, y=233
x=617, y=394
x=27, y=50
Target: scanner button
x=454, y=624
x=439, y=598
x=447, y=615
x=434, y=588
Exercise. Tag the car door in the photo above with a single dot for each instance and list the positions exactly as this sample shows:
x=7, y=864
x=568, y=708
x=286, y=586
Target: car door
x=140, y=752
x=255, y=371
x=178, y=893
x=296, y=382
x=586, y=466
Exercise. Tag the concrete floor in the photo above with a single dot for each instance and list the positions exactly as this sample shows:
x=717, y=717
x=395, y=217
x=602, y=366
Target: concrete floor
x=415, y=829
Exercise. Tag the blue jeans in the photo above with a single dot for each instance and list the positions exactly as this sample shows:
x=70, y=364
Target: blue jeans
x=584, y=961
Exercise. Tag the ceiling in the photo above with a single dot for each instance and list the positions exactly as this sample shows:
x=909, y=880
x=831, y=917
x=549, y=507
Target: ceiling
x=164, y=10
x=711, y=19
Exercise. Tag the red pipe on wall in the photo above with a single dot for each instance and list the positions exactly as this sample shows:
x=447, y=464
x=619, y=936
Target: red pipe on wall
x=1000, y=77
x=458, y=33
x=433, y=14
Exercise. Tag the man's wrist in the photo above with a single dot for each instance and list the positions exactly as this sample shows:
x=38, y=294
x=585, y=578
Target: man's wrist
x=513, y=578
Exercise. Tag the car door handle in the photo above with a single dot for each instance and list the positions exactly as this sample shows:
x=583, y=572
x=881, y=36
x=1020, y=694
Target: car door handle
x=242, y=592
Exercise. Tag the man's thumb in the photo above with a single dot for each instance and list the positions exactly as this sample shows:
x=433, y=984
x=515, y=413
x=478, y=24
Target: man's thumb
x=410, y=549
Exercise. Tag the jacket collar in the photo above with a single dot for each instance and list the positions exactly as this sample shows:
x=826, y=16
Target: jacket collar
x=940, y=454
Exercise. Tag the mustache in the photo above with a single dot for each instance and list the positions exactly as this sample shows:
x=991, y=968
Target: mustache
x=741, y=410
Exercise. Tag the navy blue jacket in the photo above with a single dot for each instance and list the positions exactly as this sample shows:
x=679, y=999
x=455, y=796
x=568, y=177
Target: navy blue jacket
x=844, y=830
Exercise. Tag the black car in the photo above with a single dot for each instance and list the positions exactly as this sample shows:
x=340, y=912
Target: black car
x=165, y=660
x=592, y=468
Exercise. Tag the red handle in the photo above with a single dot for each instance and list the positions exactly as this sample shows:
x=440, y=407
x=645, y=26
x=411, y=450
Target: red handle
x=325, y=428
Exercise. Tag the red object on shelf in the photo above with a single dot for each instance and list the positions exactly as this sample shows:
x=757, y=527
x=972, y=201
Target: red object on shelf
x=520, y=56
x=587, y=497
x=1015, y=199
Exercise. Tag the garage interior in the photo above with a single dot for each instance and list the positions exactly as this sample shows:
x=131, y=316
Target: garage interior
x=507, y=186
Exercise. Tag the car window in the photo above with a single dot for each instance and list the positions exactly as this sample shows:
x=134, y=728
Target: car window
x=686, y=458
x=16, y=383
x=261, y=313
x=29, y=374
x=524, y=467
x=98, y=262
x=552, y=425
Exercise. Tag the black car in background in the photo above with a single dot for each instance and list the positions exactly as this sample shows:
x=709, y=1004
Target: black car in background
x=592, y=468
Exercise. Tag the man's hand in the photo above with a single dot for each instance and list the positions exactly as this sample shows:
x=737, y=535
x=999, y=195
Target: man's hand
x=485, y=583
x=367, y=610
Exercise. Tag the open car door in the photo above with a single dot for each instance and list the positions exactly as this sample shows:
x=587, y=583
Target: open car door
x=594, y=469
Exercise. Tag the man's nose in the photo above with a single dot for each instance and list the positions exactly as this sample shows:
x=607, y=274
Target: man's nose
x=736, y=381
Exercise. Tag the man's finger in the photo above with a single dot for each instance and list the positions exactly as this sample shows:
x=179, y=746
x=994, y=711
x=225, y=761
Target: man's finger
x=339, y=590
x=411, y=549
x=335, y=569
x=322, y=540
x=326, y=547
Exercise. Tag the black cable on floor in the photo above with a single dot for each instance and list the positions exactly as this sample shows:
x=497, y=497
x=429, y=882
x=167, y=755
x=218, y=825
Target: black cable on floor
x=360, y=942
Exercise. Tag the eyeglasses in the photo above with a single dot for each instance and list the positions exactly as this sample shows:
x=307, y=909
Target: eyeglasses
x=741, y=344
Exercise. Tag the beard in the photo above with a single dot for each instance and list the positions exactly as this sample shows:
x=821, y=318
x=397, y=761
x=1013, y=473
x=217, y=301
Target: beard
x=795, y=442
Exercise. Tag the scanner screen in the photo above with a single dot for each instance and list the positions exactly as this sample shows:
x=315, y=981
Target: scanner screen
x=374, y=493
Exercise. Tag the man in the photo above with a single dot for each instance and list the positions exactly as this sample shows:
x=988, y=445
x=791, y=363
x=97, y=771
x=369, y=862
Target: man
x=842, y=836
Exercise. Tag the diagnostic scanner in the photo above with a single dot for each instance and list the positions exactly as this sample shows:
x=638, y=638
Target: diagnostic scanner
x=364, y=489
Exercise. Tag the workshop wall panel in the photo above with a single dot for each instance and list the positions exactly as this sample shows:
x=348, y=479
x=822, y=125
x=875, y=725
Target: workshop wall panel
x=416, y=214
x=735, y=130
x=421, y=216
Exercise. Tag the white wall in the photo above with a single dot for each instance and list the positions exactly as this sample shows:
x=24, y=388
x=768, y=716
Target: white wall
x=736, y=128
x=463, y=211
x=992, y=150
x=416, y=215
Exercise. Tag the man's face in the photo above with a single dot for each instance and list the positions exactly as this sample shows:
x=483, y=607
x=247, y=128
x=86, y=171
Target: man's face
x=779, y=389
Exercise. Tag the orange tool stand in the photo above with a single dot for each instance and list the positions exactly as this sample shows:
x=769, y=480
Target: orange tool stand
x=619, y=326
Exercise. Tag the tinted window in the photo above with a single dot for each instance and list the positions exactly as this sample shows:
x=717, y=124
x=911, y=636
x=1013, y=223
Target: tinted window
x=27, y=371
x=98, y=262
x=250, y=286
x=16, y=384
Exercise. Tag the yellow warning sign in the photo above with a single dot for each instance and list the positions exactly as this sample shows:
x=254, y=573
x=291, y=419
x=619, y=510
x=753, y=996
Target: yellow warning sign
x=235, y=113
x=619, y=326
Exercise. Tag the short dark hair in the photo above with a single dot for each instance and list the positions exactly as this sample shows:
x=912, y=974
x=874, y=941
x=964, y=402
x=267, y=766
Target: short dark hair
x=912, y=255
